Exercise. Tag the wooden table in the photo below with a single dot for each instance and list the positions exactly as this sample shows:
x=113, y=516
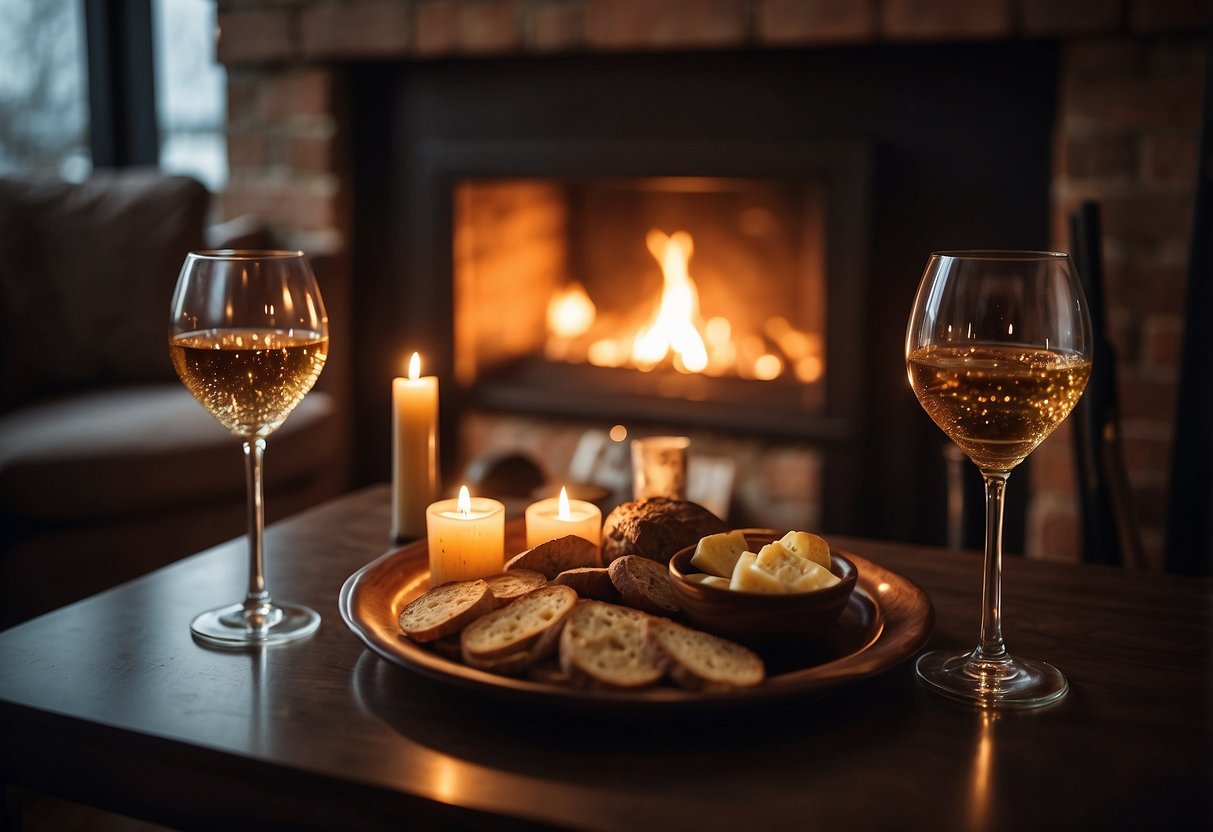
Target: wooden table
x=110, y=702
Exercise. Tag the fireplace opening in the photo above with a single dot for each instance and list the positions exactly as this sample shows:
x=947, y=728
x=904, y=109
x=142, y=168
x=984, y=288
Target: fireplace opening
x=899, y=149
x=646, y=290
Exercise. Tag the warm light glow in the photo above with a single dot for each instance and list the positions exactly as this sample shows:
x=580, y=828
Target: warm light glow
x=673, y=328
x=619, y=433
x=571, y=313
x=415, y=367
x=674, y=334
x=464, y=504
x=563, y=512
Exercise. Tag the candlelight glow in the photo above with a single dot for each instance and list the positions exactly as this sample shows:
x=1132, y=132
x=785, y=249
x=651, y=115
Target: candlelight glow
x=464, y=504
x=415, y=367
x=563, y=511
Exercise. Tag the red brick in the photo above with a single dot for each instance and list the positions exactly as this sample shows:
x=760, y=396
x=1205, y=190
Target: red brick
x=255, y=37
x=790, y=473
x=1096, y=58
x=1100, y=156
x=1142, y=455
x=785, y=22
x=1147, y=289
x=490, y=27
x=1053, y=528
x=557, y=27
x=243, y=95
x=1163, y=99
x=247, y=149
x=1052, y=463
x=436, y=28
x=359, y=29
x=309, y=154
x=665, y=24
x=1057, y=17
x=945, y=19
x=1150, y=216
x=1143, y=396
x=1162, y=346
x=1152, y=16
x=301, y=92
x=1171, y=156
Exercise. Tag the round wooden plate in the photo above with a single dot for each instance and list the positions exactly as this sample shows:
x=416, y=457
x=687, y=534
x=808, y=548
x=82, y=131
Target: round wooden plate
x=887, y=620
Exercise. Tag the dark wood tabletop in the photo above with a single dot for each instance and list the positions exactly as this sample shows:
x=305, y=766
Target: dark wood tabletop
x=110, y=702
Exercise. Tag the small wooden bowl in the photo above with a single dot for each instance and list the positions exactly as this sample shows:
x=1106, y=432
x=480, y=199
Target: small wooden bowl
x=762, y=619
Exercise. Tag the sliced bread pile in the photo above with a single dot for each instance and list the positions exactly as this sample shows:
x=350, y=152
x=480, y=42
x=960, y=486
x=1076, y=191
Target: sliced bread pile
x=556, y=616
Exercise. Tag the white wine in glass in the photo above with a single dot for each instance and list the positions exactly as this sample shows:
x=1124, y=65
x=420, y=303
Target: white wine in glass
x=248, y=337
x=998, y=352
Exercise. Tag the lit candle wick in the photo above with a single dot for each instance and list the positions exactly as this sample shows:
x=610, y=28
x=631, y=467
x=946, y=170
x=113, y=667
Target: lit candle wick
x=464, y=505
x=563, y=512
x=415, y=367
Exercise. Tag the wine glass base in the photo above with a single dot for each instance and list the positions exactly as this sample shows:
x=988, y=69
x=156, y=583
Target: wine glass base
x=991, y=683
x=235, y=626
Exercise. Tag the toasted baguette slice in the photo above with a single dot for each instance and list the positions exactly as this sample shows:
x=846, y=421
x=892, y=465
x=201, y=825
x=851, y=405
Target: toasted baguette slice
x=700, y=661
x=514, y=584
x=510, y=665
x=603, y=645
x=525, y=625
x=555, y=556
x=644, y=584
x=590, y=582
x=446, y=609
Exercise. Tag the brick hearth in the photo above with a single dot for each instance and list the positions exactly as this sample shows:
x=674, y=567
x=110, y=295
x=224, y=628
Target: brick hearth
x=1130, y=81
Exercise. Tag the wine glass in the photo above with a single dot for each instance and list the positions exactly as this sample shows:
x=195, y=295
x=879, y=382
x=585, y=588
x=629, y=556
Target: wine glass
x=998, y=351
x=248, y=337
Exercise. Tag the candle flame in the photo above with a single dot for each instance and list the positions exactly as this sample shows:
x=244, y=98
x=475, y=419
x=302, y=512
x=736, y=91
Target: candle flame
x=563, y=512
x=415, y=367
x=464, y=504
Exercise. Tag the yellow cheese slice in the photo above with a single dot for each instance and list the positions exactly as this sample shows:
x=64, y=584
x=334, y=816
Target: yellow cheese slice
x=807, y=545
x=747, y=577
x=795, y=573
x=717, y=554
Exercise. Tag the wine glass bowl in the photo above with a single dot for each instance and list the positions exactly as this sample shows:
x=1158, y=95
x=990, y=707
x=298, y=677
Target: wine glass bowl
x=248, y=337
x=998, y=352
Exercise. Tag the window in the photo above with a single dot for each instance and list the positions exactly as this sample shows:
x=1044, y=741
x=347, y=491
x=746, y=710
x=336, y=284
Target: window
x=43, y=89
x=56, y=119
x=191, y=89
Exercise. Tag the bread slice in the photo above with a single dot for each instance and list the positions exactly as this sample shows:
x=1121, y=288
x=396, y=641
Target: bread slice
x=555, y=556
x=644, y=584
x=603, y=645
x=589, y=582
x=446, y=609
x=530, y=624
x=700, y=661
x=514, y=584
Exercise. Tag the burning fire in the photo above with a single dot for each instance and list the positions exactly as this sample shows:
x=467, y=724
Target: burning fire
x=676, y=331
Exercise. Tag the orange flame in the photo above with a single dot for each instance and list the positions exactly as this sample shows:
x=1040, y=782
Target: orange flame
x=673, y=327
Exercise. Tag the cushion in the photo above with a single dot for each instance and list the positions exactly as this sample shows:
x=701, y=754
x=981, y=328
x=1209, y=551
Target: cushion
x=133, y=450
x=87, y=275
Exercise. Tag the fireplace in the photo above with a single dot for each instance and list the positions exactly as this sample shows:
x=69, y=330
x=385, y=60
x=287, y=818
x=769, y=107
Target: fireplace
x=489, y=194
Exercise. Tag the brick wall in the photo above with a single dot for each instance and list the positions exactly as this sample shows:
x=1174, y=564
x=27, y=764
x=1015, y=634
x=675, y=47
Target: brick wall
x=1129, y=98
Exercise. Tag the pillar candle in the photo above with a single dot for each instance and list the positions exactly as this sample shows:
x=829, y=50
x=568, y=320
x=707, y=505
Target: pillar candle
x=559, y=516
x=466, y=538
x=414, y=450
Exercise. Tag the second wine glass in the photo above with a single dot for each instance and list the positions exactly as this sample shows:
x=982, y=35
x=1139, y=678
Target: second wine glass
x=998, y=352
x=248, y=337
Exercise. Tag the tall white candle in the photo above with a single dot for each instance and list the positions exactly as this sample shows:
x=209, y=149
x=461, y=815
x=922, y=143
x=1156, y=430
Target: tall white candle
x=414, y=450
x=466, y=538
x=559, y=516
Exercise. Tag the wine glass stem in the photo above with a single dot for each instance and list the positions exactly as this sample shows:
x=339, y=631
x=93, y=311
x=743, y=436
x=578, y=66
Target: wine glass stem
x=991, y=646
x=258, y=598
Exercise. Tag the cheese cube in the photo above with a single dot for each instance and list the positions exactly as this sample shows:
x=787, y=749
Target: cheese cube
x=795, y=573
x=808, y=545
x=717, y=554
x=749, y=578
